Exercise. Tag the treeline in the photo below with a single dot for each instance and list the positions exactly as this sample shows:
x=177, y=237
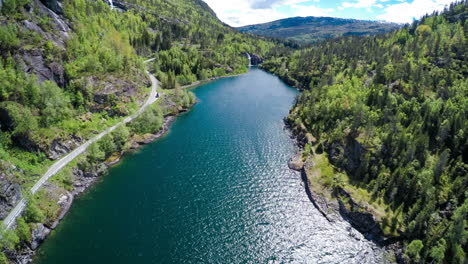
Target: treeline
x=101, y=58
x=392, y=112
x=191, y=43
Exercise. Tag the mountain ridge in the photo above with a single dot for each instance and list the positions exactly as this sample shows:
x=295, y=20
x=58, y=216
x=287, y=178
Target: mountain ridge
x=312, y=29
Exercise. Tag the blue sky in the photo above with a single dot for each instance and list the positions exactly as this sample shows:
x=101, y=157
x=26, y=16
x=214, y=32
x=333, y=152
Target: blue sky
x=246, y=12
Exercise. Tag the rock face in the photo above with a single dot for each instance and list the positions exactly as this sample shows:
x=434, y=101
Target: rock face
x=39, y=233
x=359, y=217
x=255, y=59
x=34, y=62
x=61, y=147
x=296, y=163
x=54, y=5
x=10, y=195
x=120, y=5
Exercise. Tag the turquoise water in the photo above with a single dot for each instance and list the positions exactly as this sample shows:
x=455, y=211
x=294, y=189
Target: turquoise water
x=216, y=189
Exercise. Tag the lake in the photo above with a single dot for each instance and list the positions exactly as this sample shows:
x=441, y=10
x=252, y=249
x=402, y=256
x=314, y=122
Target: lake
x=215, y=189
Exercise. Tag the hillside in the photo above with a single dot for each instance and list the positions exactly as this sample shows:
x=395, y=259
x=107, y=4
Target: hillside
x=387, y=117
x=70, y=69
x=313, y=29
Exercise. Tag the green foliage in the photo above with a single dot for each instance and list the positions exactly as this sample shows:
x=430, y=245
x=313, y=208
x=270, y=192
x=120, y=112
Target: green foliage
x=9, y=239
x=54, y=104
x=107, y=145
x=8, y=35
x=121, y=136
x=20, y=121
x=23, y=230
x=3, y=258
x=9, y=7
x=33, y=214
x=458, y=233
x=313, y=29
x=95, y=153
x=438, y=252
x=413, y=250
x=150, y=121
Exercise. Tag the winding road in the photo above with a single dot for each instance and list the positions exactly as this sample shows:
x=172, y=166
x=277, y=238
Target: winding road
x=60, y=164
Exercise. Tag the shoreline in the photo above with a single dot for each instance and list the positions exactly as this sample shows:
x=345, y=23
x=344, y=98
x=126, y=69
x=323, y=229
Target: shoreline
x=83, y=181
x=81, y=184
x=198, y=83
x=338, y=204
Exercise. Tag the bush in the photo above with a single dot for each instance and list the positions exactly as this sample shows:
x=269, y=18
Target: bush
x=107, y=145
x=150, y=121
x=23, y=231
x=413, y=249
x=9, y=239
x=8, y=36
x=55, y=104
x=33, y=213
x=18, y=119
x=3, y=258
x=95, y=154
x=121, y=136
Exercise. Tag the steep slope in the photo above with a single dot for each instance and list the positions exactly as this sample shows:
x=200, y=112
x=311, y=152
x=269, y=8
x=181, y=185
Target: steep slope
x=70, y=69
x=388, y=115
x=313, y=29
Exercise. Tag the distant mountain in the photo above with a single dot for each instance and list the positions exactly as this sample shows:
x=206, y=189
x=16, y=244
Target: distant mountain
x=312, y=29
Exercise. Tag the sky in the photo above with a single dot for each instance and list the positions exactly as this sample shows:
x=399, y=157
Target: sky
x=246, y=12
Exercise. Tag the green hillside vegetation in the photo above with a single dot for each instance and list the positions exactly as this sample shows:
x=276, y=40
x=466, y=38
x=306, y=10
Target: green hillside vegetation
x=100, y=60
x=66, y=77
x=313, y=29
x=391, y=112
x=191, y=43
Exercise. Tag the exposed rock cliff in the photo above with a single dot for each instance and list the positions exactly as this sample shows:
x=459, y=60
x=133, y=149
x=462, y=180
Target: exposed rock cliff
x=10, y=195
x=10, y=192
x=54, y=5
x=359, y=216
x=255, y=59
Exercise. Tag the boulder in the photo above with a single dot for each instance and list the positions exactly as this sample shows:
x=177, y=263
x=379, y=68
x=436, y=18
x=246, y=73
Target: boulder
x=296, y=163
x=39, y=233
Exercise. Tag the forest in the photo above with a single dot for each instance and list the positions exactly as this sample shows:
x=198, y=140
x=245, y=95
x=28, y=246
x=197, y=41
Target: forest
x=97, y=72
x=72, y=69
x=391, y=112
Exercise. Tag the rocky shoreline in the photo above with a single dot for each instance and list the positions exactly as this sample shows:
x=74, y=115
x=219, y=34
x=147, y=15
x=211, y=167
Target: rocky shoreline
x=83, y=181
x=341, y=205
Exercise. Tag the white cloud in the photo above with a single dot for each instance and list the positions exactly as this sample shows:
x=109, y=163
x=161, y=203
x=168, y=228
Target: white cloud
x=311, y=11
x=359, y=4
x=406, y=12
x=367, y=4
x=247, y=12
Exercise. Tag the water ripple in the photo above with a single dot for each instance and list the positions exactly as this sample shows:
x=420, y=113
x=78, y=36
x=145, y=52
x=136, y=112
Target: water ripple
x=215, y=190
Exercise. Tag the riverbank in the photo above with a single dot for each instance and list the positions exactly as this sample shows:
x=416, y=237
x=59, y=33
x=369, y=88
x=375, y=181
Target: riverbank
x=212, y=190
x=82, y=180
x=336, y=200
x=198, y=83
